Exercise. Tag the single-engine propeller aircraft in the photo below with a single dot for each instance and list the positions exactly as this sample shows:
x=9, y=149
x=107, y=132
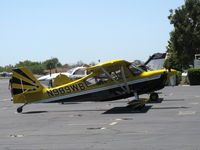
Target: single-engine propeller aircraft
x=107, y=81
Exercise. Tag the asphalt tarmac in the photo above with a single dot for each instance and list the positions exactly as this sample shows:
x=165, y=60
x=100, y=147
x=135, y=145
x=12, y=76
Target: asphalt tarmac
x=171, y=124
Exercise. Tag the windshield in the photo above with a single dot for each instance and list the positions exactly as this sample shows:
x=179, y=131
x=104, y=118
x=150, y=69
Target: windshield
x=80, y=72
x=70, y=71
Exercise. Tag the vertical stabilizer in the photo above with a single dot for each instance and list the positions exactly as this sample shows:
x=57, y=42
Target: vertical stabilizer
x=22, y=83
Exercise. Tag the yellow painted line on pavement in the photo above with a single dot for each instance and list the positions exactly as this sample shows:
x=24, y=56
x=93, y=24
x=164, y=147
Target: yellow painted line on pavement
x=182, y=113
x=17, y=135
x=113, y=123
x=194, y=103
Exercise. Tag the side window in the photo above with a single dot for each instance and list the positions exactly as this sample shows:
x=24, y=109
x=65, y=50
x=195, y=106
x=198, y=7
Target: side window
x=90, y=81
x=116, y=75
x=103, y=78
x=134, y=70
x=96, y=80
x=79, y=72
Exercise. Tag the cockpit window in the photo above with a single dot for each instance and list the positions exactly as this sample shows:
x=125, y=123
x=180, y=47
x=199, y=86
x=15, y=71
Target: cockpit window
x=96, y=80
x=70, y=71
x=105, y=78
x=135, y=70
x=79, y=72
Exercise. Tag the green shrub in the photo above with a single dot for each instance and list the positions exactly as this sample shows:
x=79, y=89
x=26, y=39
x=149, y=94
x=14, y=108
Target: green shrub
x=178, y=77
x=194, y=76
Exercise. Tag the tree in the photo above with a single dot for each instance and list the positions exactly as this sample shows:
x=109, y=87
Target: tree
x=35, y=67
x=184, y=40
x=39, y=67
x=1, y=69
x=52, y=63
x=92, y=63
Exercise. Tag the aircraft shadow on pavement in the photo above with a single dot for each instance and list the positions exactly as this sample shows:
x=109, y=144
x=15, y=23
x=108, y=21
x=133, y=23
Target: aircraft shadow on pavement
x=126, y=110
x=68, y=103
x=34, y=112
x=158, y=101
x=63, y=111
x=115, y=110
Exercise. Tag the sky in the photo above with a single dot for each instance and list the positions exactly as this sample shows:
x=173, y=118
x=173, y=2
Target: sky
x=83, y=30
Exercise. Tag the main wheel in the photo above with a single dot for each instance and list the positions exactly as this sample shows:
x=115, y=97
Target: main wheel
x=154, y=97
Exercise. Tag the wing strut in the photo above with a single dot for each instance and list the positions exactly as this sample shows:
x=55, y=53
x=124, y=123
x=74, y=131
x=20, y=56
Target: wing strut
x=124, y=89
x=125, y=81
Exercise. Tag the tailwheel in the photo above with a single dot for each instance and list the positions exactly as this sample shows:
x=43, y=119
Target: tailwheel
x=20, y=109
x=154, y=97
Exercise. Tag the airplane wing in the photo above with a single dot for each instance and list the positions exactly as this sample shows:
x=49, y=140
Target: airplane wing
x=108, y=64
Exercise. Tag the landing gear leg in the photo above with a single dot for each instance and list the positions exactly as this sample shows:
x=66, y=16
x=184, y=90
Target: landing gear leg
x=20, y=109
x=136, y=95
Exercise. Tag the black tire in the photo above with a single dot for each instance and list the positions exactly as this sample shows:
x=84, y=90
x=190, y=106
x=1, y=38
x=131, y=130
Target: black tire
x=154, y=97
x=19, y=109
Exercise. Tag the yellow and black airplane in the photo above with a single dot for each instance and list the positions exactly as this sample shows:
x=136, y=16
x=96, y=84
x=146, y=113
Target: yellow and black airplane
x=107, y=81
